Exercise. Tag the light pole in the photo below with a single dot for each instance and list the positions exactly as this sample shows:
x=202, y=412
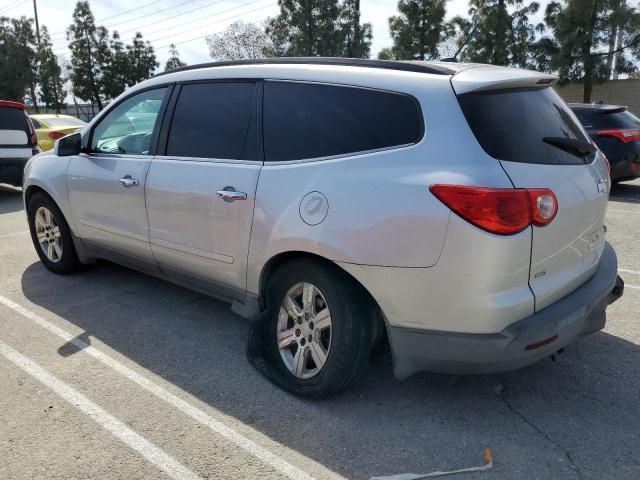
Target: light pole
x=35, y=13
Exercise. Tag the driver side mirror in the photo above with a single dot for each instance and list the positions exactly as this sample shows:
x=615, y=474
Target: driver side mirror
x=69, y=145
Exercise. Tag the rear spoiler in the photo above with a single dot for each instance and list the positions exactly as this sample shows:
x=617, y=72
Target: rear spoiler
x=489, y=77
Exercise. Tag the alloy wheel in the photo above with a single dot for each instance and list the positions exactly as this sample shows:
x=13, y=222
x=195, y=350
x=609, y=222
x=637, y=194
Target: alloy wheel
x=304, y=330
x=48, y=234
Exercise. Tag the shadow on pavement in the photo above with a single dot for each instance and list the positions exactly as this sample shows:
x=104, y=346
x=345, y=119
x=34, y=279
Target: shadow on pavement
x=10, y=199
x=576, y=418
x=626, y=192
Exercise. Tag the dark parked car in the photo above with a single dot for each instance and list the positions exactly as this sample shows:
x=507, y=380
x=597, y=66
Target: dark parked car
x=616, y=131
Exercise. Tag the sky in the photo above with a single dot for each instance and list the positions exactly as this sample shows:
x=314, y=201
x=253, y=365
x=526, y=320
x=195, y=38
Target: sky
x=186, y=22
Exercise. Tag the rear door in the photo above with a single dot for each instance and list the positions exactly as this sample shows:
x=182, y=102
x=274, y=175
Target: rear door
x=510, y=124
x=200, y=192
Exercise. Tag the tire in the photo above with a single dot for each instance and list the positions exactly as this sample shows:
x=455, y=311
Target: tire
x=54, y=233
x=345, y=343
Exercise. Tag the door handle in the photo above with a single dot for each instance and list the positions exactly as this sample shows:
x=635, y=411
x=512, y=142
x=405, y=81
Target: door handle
x=128, y=182
x=231, y=195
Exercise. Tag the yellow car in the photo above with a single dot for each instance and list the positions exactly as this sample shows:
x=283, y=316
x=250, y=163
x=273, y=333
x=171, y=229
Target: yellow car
x=50, y=127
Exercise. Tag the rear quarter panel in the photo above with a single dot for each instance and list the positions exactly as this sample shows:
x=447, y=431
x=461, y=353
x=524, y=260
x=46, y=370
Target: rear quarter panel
x=380, y=209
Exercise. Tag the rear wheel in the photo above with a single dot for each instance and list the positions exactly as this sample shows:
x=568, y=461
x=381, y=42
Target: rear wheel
x=51, y=235
x=315, y=334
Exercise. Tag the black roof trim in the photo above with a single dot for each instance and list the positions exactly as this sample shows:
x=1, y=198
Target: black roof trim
x=419, y=67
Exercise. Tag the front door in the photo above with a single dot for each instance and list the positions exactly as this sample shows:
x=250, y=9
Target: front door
x=200, y=193
x=106, y=185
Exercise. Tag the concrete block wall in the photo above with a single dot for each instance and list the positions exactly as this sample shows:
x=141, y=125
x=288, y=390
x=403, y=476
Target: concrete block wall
x=618, y=92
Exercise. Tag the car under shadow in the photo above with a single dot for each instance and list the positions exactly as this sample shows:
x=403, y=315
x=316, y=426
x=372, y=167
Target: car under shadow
x=576, y=418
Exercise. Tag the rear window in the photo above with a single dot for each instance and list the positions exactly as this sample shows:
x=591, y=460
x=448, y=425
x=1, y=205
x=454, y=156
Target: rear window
x=303, y=120
x=603, y=120
x=510, y=124
x=68, y=121
x=215, y=120
x=12, y=119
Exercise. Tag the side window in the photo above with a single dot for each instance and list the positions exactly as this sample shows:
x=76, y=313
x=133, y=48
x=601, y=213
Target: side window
x=129, y=126
x=303, y=120
x=215, y=120
x=36, y=123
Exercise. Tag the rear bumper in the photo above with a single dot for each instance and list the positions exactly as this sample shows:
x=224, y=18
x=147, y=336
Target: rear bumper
x=521, y=343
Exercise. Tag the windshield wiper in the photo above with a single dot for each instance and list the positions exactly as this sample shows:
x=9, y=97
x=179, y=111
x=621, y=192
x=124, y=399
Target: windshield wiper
x=571, y=145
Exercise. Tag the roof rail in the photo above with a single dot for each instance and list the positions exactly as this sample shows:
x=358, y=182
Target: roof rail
x=405, y=66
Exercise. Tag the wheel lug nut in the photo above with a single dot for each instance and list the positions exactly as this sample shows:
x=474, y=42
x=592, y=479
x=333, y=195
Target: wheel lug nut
x=311, y=325
x=299, y=320
x=297, y=332
x=311, y=338
x=302, y=342
x=306, y=316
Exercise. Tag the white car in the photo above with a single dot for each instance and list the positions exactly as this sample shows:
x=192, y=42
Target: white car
x=18, y=141
x=455, y=212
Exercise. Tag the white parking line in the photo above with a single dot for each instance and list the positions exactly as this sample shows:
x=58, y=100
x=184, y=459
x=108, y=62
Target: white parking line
x=636, y=287
x=277, y=463
x=635, y=272
x=138, y=443
x=14, y=234
x=621, y=211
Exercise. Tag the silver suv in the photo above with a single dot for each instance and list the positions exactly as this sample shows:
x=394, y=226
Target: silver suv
x=453, y=212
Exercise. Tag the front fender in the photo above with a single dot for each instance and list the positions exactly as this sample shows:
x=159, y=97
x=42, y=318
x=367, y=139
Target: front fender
x=49, y=173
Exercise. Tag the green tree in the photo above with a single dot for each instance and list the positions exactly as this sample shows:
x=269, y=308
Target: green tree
x=14, y=81
x=499, y=32
x=174, y=59
x=624, y=30
x=52, y=92
x=142, y=60
x=385, y=54
x=582, y=32
x=18, y=60
x=307, y=28
x=356, y=36
x=418, y=29
x=115, y=76
x=239, y=41
x=90, y=55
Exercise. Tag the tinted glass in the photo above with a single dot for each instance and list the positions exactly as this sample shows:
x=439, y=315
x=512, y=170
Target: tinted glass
x=601, y=120
x=12, y=119
x=36, y=123
x=215, y=120
x=310, y=121
x=128, y=128
x=510, y=124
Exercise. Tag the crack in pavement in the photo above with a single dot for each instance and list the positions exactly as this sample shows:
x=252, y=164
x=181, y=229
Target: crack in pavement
x=567, y=454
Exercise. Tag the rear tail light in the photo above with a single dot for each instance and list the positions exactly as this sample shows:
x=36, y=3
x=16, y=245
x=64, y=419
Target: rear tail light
x=626, y=136
x=33, y=137
x=55, y=135
x=503, y=211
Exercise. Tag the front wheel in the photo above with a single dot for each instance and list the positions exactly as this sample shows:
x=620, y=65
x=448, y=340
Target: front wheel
x=51, y=235
x=315, y=334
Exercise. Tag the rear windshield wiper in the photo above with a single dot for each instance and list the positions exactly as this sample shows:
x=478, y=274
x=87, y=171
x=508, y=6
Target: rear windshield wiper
x=571, y=145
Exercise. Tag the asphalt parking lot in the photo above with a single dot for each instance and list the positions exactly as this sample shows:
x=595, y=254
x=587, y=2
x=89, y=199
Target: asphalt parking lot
x=113, y=374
